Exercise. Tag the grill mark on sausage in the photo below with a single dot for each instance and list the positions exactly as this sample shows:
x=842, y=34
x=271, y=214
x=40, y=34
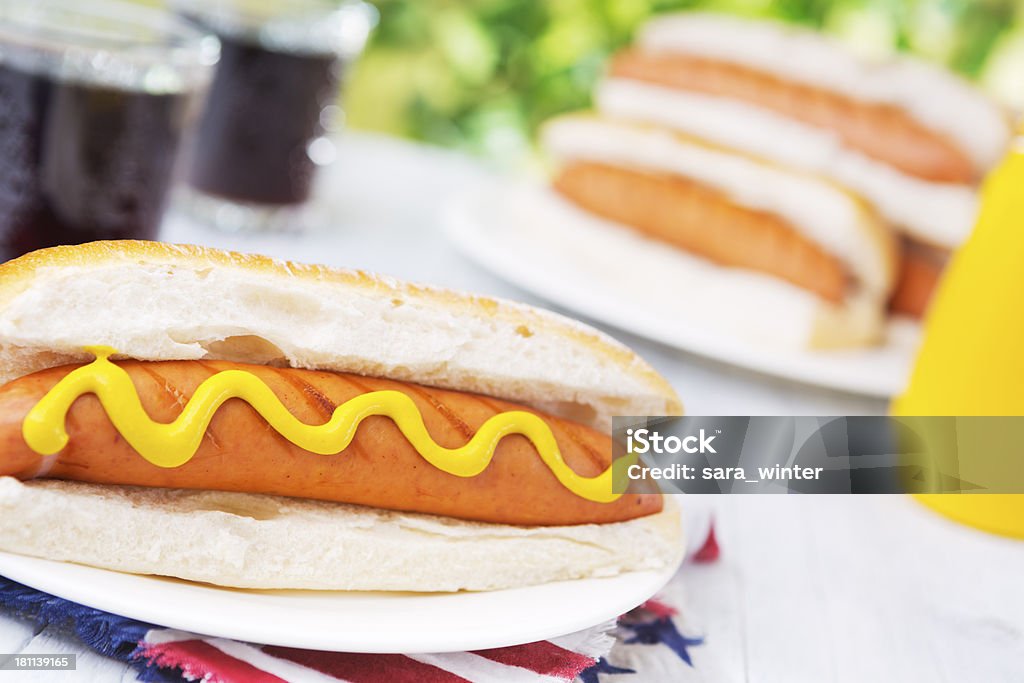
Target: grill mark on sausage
x=355, y=447
x=363, y=388
x=176, y=394
x=491, y=405
x=76, y=464
x=563, y=431
x=315, y=398
x=213, y=370
x=598, y=459
x=442, y=409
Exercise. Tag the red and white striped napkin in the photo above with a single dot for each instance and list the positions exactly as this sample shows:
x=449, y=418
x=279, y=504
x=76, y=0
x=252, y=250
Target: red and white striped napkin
x=220, y=660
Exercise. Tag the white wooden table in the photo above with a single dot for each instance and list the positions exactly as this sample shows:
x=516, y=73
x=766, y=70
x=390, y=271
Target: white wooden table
x=807, y=589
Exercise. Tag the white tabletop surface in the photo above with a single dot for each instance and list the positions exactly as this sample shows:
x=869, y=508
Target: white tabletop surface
x=808, y=588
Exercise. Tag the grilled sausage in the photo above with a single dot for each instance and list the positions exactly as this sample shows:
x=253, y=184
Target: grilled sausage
x=880, y=131
x=380, y=468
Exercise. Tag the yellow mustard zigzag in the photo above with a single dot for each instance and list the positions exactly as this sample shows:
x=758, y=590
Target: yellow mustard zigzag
x=174, y=444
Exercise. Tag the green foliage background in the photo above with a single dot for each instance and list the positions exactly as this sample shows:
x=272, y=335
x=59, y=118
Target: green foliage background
x=482, y=74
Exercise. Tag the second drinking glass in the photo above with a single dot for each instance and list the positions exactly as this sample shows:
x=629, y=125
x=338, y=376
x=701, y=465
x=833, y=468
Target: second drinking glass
x=263, y=131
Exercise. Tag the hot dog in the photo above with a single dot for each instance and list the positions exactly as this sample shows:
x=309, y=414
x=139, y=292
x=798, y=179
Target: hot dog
x=245, y=400
x=816, y=247
x=239, y=452
x=881, y=131
x=920, y=272
x=704, y=221
x=909, y=137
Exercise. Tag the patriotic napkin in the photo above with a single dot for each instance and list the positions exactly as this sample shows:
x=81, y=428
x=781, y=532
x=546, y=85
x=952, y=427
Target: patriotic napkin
x=650, y=632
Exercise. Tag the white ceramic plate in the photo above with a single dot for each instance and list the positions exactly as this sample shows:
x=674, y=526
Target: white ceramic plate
x=625, y=283
x=340, y=621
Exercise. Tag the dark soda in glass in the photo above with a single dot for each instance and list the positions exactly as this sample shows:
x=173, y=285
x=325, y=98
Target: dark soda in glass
x=270, y=104
x=91, y=114
x=80, y=162
x=262, y=113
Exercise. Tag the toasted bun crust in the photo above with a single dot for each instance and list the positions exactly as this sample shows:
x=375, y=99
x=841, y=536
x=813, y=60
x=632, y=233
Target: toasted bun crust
x=821, y=211
x=250, y=541
x=939, y=214
x=154, y=301
x=935, y=97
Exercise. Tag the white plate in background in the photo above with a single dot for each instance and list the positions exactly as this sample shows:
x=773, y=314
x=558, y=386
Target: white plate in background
x=497, y=227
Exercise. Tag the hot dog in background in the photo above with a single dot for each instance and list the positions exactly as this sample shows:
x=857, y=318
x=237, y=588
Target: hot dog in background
x=332, y=429
x=705, y=122
x=800, y=241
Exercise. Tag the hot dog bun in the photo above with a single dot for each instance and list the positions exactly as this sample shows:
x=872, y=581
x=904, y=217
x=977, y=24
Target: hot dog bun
x=253, y=541
x=155, y=302
x=817, y=215
x=930, y=95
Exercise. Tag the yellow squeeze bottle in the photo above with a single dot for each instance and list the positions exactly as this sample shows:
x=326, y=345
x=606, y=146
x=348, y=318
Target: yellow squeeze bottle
x=971, y=360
